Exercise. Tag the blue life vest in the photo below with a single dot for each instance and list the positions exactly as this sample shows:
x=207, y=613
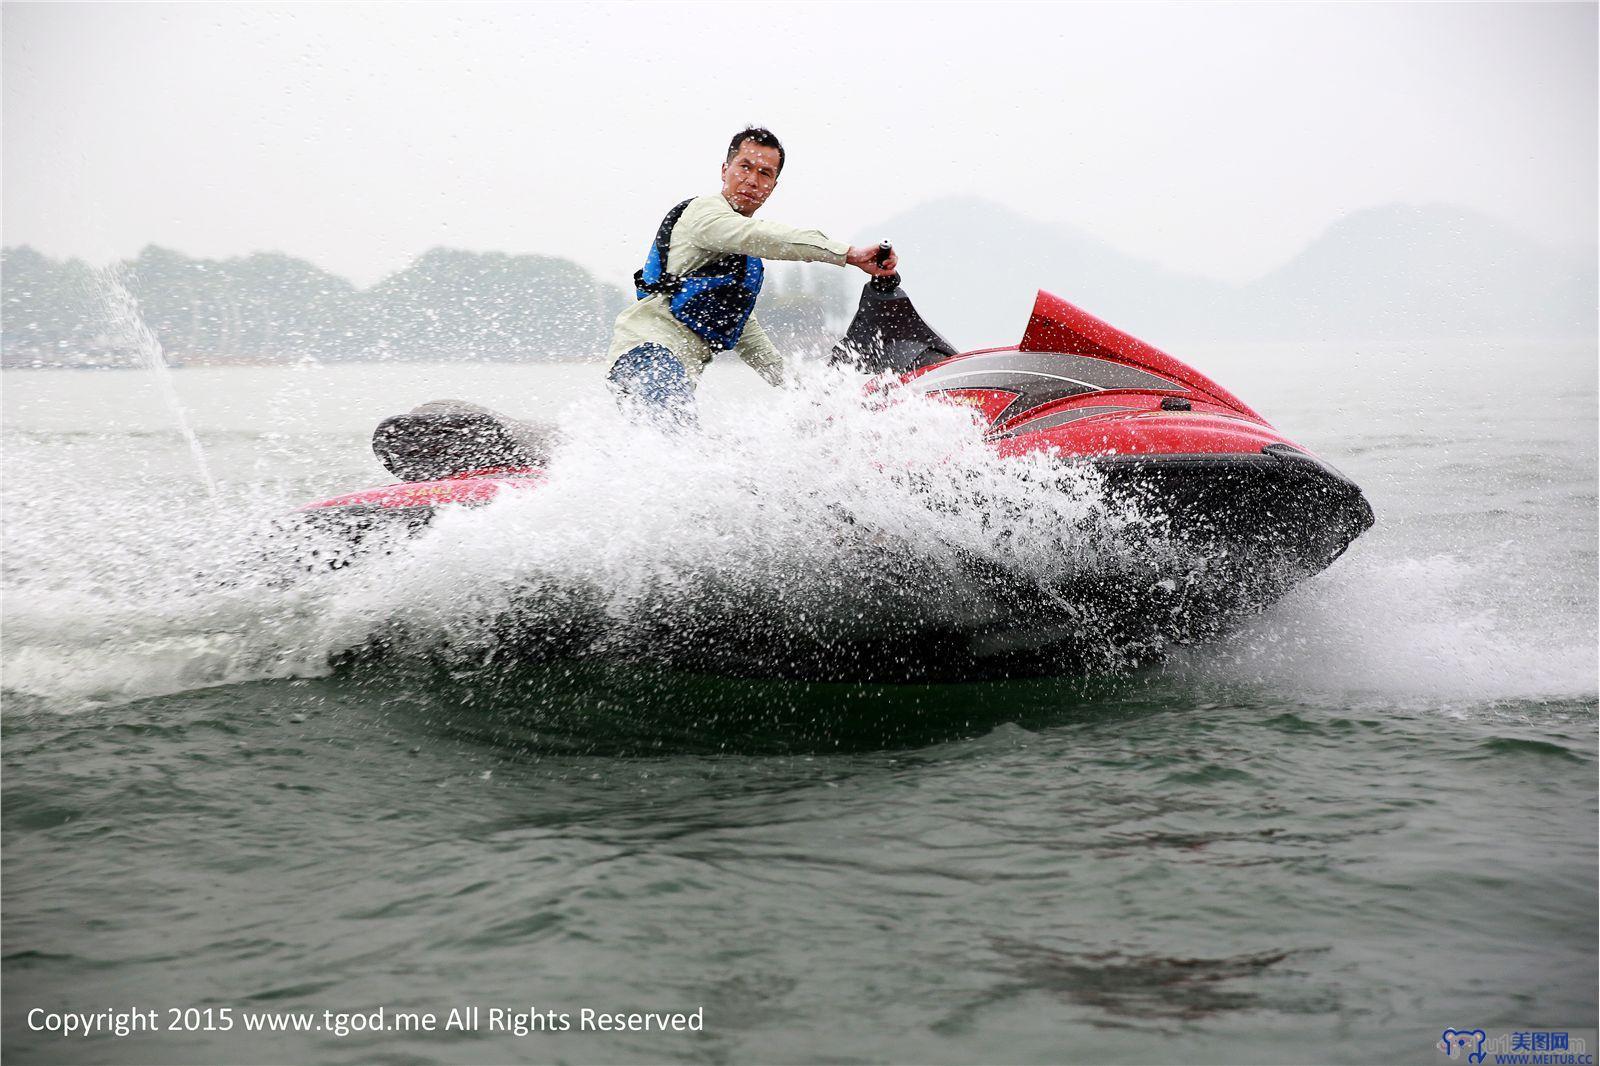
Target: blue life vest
x=714, y=300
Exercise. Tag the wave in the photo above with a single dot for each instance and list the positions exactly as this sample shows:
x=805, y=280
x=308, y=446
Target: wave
x=1438, y=628
x=804, y=520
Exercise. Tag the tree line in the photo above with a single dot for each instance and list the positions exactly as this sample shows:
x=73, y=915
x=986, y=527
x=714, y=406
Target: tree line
x=447, y=305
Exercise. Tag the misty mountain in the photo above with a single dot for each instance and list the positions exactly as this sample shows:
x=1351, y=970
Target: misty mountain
x=488, y=306
x=1394, y=272
x=1407, y=272
x=256, y=305
x=972, y=267
x=1386, y=273
x=446, y=305
x=49, y=311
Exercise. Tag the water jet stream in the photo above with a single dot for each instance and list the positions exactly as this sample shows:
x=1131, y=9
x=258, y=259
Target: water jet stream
x=122, y=309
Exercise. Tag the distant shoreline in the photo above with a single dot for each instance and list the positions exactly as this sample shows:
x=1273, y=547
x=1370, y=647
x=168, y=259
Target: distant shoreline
x=1254, y=343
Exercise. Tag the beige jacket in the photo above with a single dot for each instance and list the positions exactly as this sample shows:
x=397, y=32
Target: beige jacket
x=707, y=230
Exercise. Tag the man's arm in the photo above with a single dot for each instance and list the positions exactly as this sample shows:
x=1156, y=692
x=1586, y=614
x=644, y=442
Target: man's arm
x=756, y=348
x=710, y=224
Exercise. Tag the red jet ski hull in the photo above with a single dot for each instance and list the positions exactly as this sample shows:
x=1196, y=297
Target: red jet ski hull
x=1246, y=512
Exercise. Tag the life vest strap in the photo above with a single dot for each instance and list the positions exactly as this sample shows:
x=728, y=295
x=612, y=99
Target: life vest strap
x=666, y=285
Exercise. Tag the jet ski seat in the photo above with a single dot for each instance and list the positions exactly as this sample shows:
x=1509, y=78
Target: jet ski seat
x=443, y=438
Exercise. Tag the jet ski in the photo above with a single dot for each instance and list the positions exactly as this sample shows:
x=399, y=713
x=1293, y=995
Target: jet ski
x=1245, y=511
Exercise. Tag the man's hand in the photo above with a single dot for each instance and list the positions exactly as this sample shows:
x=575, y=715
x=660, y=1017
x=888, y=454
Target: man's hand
x=867, y=259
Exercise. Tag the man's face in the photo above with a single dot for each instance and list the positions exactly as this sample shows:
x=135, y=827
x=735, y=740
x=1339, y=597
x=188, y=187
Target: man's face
x=749, y=177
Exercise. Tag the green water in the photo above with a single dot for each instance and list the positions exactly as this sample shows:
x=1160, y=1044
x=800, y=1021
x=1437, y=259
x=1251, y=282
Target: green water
x=1365, y=817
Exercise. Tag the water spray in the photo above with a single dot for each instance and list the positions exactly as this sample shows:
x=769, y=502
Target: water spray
x=122, y=308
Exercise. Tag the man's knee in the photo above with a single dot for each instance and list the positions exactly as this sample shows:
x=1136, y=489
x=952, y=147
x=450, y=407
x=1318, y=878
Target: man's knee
x=649, y=376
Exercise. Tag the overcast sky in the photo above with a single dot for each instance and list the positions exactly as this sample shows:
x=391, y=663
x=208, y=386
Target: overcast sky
x=1216, y=139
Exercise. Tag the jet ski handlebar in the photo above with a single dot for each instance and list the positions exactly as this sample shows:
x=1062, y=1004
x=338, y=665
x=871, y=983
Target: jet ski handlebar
x=886, y=333
x=884, y=283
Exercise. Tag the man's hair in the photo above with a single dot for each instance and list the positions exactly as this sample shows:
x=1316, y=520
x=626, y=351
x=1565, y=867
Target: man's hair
x=762, y=136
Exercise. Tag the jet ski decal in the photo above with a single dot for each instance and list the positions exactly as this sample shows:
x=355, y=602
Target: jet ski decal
x=1038, y=378
x=1059, y=418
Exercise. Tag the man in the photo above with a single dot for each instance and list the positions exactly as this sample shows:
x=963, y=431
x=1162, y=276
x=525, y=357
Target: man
x=697, y=291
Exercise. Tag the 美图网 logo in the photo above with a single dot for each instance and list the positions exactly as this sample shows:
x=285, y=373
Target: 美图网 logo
x=1524, y=1047
x=1463, y=1043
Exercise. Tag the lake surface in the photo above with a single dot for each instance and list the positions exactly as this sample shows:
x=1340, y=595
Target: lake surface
x=1361, y=818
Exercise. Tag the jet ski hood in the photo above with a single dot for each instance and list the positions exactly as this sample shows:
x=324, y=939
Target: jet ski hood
x=1056, y=326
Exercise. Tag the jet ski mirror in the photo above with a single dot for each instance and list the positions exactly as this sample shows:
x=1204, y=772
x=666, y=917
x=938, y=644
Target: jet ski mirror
x=887, y=334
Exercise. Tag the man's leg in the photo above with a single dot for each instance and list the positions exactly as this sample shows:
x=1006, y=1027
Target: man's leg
x=648, y=378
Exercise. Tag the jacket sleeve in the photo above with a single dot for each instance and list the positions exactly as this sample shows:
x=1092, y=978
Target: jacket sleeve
x=755, y=348
x=717, y=228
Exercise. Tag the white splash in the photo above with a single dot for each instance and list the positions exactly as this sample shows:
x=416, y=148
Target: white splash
x=810, y=510
x=1431, y=628
x=122, y=310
